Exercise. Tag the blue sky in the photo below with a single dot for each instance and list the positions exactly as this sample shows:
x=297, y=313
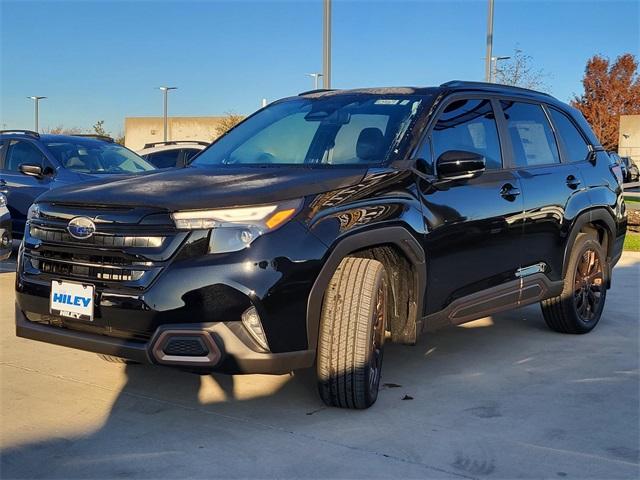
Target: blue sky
x=101, y=60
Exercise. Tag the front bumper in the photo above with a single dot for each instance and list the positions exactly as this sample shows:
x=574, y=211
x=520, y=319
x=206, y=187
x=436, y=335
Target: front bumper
x=232, y=356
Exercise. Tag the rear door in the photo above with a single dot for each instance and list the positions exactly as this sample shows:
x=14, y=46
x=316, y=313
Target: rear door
x=552, y=189
x=22, y=190
x=474, y=227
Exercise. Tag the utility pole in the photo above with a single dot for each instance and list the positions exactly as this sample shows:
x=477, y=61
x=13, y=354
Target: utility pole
x=489, y=55
x=165, y=94
x=316, y=76
x=36, y=101
x=326, y=45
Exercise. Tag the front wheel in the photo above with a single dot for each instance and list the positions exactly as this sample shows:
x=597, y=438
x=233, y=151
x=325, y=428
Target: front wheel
x=352, y=332
x=579, y=306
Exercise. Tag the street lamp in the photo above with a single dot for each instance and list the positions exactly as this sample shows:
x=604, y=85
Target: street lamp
x=165, y=92
x=494, y=67
x=316, y=76
x=326, y=45
x=488, y=57
x=36, y=101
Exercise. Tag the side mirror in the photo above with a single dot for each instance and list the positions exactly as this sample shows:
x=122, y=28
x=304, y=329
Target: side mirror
x=459, y=164
x=31, y=170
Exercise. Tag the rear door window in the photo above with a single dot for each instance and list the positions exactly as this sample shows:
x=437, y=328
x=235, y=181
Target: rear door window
x=531, y=135
x=576, y=148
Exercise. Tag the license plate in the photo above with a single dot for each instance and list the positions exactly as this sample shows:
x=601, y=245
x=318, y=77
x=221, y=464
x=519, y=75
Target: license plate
x=72, y=300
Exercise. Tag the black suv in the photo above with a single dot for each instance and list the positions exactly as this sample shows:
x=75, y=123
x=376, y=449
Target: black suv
x=326, y=224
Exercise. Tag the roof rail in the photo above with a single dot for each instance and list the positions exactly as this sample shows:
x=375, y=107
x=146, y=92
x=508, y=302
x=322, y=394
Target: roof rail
x=24, y=132
x=317, y=90
x=175, y=142
x=494, y=86
x=106, y=138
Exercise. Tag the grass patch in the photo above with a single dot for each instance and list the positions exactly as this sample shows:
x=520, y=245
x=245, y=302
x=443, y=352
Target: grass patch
x=632, y=242
x=632, y=199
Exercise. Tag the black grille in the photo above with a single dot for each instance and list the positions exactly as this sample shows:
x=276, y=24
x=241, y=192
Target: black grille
x=123, y=250
x=95, y=271
x=185, y=347
x=55, y=235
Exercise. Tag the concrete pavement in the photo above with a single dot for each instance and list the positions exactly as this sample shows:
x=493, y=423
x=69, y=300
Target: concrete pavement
x=502, y=397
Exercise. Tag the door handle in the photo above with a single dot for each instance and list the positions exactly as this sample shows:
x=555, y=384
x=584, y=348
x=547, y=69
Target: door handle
x=509, y=192
x=573, y=182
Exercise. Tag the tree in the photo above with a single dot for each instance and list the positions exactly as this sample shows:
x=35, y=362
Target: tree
x=519, y=71
x=610, y=90
x=227, y=122
x=62, y=130
x=99, y=128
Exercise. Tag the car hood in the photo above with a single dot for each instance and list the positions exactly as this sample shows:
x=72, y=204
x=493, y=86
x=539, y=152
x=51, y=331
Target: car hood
x=196, y=188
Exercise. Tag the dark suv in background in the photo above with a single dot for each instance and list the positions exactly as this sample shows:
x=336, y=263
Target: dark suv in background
x=325, y=224
x=31, y=164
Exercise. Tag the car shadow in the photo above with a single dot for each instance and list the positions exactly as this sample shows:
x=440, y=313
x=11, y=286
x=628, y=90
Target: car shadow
x=161, y=411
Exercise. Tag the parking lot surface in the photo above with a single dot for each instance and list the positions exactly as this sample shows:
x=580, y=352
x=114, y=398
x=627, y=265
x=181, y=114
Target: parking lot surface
x=501, y=397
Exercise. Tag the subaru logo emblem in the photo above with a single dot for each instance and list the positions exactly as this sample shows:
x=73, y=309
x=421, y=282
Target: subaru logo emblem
x=81, y=228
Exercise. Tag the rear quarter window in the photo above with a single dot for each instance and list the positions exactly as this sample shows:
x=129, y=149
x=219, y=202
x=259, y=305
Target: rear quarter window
x=575, y=146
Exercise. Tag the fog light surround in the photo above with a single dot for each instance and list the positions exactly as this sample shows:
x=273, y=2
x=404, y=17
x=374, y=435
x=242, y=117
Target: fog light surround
x=253, y=325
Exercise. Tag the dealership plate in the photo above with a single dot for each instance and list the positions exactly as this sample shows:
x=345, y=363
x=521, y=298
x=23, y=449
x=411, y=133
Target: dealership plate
x=72, y=300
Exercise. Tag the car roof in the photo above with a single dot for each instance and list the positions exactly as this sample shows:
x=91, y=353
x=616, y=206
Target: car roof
x=51, y=137
x=448, y=87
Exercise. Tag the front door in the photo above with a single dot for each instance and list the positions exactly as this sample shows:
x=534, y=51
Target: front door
x=21, y=190
x=474, y=226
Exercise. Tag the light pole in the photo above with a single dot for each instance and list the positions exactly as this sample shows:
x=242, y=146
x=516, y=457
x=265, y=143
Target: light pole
x=326, y=45
x=36, y=100
x=494, y=67
x=489, y=55
x=165, y=93
x=316, y=76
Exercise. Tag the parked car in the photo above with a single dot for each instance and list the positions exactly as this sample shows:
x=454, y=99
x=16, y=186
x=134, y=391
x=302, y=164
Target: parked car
x=618, y=166
x=5, y=229
x=175, y=153
x=632, y=173
x=31, y=164
x=326, y=223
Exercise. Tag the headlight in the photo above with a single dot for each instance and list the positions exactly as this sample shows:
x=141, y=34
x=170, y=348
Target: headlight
x=3, y=200
x=236, y=228
x=33, y=212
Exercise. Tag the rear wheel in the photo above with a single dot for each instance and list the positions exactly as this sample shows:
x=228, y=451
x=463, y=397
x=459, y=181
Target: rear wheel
x=352, y=332
x=579, y=306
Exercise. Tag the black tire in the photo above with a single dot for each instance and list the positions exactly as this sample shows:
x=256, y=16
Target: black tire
x=352, y=331
x=579, y=307
x=112, y=359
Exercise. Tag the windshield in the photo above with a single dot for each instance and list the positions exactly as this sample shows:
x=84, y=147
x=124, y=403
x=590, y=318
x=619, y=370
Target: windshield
x=358, y=129
x=96, y=156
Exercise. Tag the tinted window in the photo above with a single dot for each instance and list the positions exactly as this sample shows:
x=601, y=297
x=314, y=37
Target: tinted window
x=164, y=159
x=531, y=135
x=358, y=129
x=20, y=152
x=95, y=156
x=468, y=125
x=575, y=146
